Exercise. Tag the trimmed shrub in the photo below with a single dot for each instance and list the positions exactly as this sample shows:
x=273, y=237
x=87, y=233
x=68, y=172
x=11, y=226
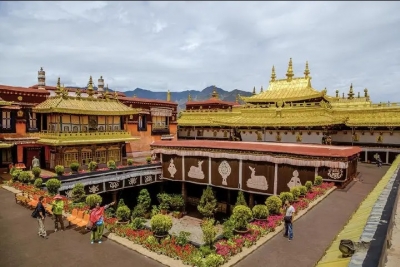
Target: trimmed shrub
x=286, y=196
x=241, y=216
x=144, y=199
x=129, y=162
x=274, y=204
x=93, y=199
x=208, y=204
x=148, y=160
x=92, y=166
x=161, y=224
x=74, y=166
x=303, y=190
x=209, y=231
x=38, y=183
x=78, y=193
x=53, y=185
x=138, y=212
x=295, y=192
x=241, y=200
x=15, y=174
x=111, y=165
x=121, y=203
x=177, y=202
x=308, y=185
x=165, y=201
x=36, y=172
x=260, y=212
x=24, y=176
x=318, y=180
x=138, y=223
x=123, y=213
x=59, y=169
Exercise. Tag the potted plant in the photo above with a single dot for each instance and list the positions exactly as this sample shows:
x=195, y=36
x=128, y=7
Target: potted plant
x=74, y=166
x=129, y=162
x=241, y=200
x=308, y=185
x=111, y=165
x=165, y=200
x=274, y=204
x=208, y=204
x=36, y=172
x=92, y=166
x=318, y=180
x=24, y=177
x=160, y=225
x=59, y=169
x=139, y=212
x=78, y=193
x=303, y=190
x=93, y=199
x=123, y=213
x=144, y=200
x=260, y=212
x=148, y=160
x=177, y=203
x=241, y=217
x=286, y=196
x=53, y=185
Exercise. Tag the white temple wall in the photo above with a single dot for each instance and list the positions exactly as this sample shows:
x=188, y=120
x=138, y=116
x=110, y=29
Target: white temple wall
x=367, y=137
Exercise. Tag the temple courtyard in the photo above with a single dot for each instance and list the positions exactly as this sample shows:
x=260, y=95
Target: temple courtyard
x=314, y=232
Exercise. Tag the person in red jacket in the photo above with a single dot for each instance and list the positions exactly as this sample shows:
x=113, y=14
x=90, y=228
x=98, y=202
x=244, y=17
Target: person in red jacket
x=96, y=222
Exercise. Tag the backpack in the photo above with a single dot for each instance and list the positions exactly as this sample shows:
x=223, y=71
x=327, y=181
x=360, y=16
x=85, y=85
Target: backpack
x=34, y=213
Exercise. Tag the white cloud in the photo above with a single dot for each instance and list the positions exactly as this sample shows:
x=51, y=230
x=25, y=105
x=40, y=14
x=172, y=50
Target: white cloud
x=189, y=45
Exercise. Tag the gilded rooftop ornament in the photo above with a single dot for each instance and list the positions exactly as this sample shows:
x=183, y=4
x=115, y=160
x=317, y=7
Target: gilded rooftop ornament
x=168, y=96
x=254, y=90
x=289, y=73
x=90, y=90
x=351, y=93
x=261, y=90
x=58, y=87
x=273, y=74
x=306, y=71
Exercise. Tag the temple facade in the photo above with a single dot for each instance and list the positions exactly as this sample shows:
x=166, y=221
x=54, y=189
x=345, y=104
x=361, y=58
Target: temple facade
x=290, y=110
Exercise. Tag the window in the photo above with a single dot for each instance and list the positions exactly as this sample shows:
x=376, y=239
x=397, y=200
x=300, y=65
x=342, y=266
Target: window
x=70, y=157
x=114, y=154
x=32, y=120
x=6, y=155
x=159, y=122
x=6, y=119
x=101, y=156
x=142, y=124
x=86, y=157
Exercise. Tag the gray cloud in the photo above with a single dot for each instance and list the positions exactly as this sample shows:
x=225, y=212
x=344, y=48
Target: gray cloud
x=190, y=45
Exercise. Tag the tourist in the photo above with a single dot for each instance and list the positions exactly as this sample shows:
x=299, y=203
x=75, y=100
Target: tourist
x=35, y=162
x=378, y=160
x=57, y=209
x=40, y=213
x=289, y=216
x=96, y=222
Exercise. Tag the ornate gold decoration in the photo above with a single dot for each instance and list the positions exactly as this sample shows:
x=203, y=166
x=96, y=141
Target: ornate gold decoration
x=78, y=92
x=254, y=90
x=351, y=93
x=168, y=95
x=19, y=98
x=278, y=137
x=189, y=97
x=259, y=136
x=215, y=133
x=273, y=75
x=289, y=73
x=379, y=138
x=306, y=71
x=299, y=138
x=90, y=90
x=20, y=113
x=356, y=137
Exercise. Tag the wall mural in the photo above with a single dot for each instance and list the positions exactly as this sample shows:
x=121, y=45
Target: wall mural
x=172, y=167
x=332, y=173
x=225, y=173
x=196, y=172
x=290, y=176
x=224, y=170
x=295, y=181
x=196, y=169
x=257, y=181
x=258, y=176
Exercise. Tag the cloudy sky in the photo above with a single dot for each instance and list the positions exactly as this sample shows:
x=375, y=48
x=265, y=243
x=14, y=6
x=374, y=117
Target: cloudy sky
x=191, y=45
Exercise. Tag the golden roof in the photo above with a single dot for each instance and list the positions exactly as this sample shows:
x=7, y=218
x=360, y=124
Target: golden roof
x=83, y=106
x=65, y=139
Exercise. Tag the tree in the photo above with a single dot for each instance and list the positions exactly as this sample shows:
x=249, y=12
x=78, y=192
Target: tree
x=78, y=193
x=241, y=200
x=121, y=203
x=209, y=231
x=208, y=204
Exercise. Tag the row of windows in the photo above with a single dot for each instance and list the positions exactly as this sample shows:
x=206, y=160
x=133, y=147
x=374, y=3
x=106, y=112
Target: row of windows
x=100, y=156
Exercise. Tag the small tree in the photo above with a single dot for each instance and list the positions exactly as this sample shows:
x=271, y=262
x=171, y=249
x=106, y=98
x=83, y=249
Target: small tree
x=123, y=213
x=111, y=165
x=318, y=180
x=74, y=166
x=144, y=199
x=92, y=166
x=59, y=169
x=53, y=185
x=130, y=162
x=78, y=193
x=24, y=176
x=38, y=183
x=208, y=204
x=274, y=204
x=93, y=199
x=209, y=231
x=36, y=172
x=241, y=200
x=309, y=185
x=121, y=203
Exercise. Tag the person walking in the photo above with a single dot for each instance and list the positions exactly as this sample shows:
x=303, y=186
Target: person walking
x=40, y=216
x=289, y=216
x=96, y=222
x=57, y=209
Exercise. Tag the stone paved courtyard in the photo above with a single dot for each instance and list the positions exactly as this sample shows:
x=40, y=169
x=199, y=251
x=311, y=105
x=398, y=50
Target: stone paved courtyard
x=191, y=225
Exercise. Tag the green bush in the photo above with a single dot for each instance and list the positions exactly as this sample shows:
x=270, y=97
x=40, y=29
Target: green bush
x=24, y=176
x=38, y=183
x=161, y=224
x=123, y=213
x=138, y=223
x=213, y=260
x=93, y=199
x=295, y=192
x=303, y=190
x=111, y=165
x=53, y=185
x=138, y=211
x=177, y=202
x=209, y=231
x=227, y=228
x=206, y=250
x=274, y=204
x=241, y=216
x=318, y=180
x=15, y=174
x=92, y=166
x=155, y=210
x=208, y=204
x=78, y=193
x=74, y=166
x=148, y=159
x=59, y=169
x=144, y=199
x=183, y=238
x=130, y=162
x=36, y=172
x=308, y=185
x=286, y=196
x=165, y=201
x=260, y=212
x=121, y=203
x=241, y=200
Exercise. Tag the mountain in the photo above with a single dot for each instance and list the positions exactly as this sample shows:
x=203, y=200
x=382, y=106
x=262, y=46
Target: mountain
x=182, y=97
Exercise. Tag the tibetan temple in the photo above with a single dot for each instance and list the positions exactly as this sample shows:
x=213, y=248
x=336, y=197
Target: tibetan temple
x=290, y=110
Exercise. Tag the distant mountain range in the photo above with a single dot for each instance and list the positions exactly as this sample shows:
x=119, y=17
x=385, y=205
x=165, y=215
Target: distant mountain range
x=182, y=97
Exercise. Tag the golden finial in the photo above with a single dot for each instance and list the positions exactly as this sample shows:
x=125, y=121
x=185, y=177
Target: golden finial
x=134, y=95
x=214, y=93
x=58, y=87
x=189, y=97
x=337, y=93
x=289, y=73
x=306, y=71
x=365, y=92
x=273, y=75
x=64, y=92
x=351, y=93
x=254, y=90
x=90, y=87
x=168, y=96
x=262, y=90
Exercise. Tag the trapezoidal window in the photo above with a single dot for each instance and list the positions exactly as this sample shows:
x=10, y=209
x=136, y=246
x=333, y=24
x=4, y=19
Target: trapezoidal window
x=70, y=157
x=114, y=154
x=86, y=156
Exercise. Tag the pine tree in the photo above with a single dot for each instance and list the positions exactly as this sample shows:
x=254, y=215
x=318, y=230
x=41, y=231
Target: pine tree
x=121, y=203
x=241, y=200
x=208, y=203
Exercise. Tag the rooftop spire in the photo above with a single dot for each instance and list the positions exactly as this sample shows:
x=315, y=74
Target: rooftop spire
x=214, y=93
x=306, y=71
x=254, y=90
x=58, y=87
x=289, y=73
x=273, y=75
x=261, y=90
x=351, y=93
x=90, y=87
x=105, y=93
x=168, y=96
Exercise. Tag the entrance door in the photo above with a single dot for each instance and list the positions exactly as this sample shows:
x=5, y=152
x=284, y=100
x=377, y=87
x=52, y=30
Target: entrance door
x=29, y=153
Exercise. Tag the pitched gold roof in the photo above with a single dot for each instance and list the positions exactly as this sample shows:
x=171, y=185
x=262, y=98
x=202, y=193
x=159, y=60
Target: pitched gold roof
x=83, y=106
